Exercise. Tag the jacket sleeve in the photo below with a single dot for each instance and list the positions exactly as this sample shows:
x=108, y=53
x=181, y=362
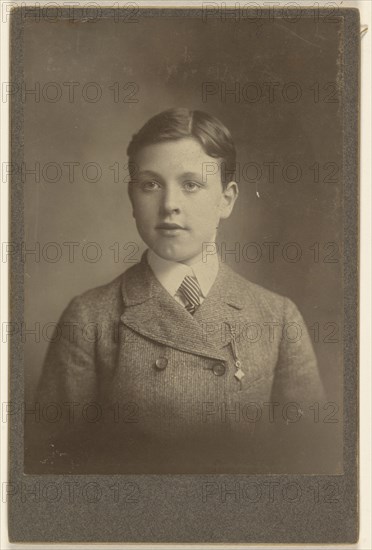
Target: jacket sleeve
x=299, y=441
x=297, y=377
x=60, y=440
x=69, y=371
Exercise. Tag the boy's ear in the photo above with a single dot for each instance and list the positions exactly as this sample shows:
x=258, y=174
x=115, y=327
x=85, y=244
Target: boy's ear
x=229, y=196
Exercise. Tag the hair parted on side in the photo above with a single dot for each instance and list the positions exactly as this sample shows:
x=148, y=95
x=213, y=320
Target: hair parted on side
x=175, y=124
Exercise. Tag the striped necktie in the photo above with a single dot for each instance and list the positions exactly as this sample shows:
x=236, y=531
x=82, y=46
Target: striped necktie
x=190, y=290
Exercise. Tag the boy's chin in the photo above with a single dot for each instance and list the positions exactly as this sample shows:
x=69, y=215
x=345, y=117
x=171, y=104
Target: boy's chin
x=174, y=255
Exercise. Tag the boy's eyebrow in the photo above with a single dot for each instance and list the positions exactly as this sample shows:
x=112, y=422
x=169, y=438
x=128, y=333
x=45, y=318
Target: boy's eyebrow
x=191, y=175
x=150, y=172
x=183, y=175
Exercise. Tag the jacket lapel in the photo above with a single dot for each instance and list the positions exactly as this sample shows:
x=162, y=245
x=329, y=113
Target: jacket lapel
x=150, y=311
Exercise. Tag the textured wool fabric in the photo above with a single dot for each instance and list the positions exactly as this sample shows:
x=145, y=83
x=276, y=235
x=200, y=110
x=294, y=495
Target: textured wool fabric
x=164, y=379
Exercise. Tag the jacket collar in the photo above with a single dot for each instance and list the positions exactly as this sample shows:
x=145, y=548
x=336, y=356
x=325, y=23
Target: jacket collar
x=139, y=285
x=151, y=311
x=170, y=274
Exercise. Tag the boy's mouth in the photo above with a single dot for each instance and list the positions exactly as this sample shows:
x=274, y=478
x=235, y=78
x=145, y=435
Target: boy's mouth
x=169, y=226
x=170, y=230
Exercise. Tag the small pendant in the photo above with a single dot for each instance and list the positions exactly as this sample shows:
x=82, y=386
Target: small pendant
x=239, y=374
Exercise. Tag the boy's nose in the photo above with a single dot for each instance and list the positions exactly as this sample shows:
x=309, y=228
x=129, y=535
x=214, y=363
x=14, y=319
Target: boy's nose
x=171, y=201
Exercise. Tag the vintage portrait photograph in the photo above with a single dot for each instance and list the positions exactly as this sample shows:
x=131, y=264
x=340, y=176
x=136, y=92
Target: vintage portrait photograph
x=184, y=261
x=183, y=245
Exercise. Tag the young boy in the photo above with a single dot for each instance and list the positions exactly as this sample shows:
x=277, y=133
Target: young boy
x=173, y=380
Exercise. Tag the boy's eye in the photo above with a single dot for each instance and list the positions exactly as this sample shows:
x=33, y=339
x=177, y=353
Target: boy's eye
x=191, y=185
x=150, y=185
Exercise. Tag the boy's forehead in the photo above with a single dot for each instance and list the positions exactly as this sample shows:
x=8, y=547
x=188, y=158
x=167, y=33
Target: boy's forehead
x=184, y=155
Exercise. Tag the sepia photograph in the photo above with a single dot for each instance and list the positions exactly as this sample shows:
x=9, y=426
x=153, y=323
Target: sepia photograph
x=186, y=220
x=184, y=278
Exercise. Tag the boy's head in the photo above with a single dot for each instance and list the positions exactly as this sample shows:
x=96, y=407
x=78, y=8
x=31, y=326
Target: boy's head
x=176, y=124
x=182, y=165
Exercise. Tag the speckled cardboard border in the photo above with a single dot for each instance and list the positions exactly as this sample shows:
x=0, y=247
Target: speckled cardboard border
x=162, y=508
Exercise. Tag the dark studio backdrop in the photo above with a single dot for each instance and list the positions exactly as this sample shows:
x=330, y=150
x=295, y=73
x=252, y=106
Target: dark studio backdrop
x=292, y=132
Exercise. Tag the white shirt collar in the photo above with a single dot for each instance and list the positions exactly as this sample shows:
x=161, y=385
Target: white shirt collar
x=171, y=274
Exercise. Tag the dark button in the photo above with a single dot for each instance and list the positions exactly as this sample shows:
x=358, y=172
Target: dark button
x=219, y=369
x=161, y=363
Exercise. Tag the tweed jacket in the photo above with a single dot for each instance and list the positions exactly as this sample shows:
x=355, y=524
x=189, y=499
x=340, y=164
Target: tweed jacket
x=159, y=380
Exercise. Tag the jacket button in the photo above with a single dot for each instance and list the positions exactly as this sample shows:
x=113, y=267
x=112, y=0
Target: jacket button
x=219, y=369
x=161, y=363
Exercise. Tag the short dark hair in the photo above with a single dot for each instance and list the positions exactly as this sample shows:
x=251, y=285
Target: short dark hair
x=174, y=124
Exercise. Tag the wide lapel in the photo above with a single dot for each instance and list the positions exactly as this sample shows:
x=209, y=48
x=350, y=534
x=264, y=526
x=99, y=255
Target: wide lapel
x=152, y=312
x=220, y=315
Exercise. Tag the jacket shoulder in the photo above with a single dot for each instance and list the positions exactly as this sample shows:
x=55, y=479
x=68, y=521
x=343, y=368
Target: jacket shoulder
x=106, y=301
x=98, y=302
x=250, y=293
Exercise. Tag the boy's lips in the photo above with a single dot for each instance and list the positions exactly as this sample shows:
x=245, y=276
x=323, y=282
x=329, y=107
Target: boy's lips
x=169, y=226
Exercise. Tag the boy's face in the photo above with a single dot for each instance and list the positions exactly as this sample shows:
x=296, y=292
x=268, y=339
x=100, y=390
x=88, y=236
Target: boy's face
x=178, y=199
